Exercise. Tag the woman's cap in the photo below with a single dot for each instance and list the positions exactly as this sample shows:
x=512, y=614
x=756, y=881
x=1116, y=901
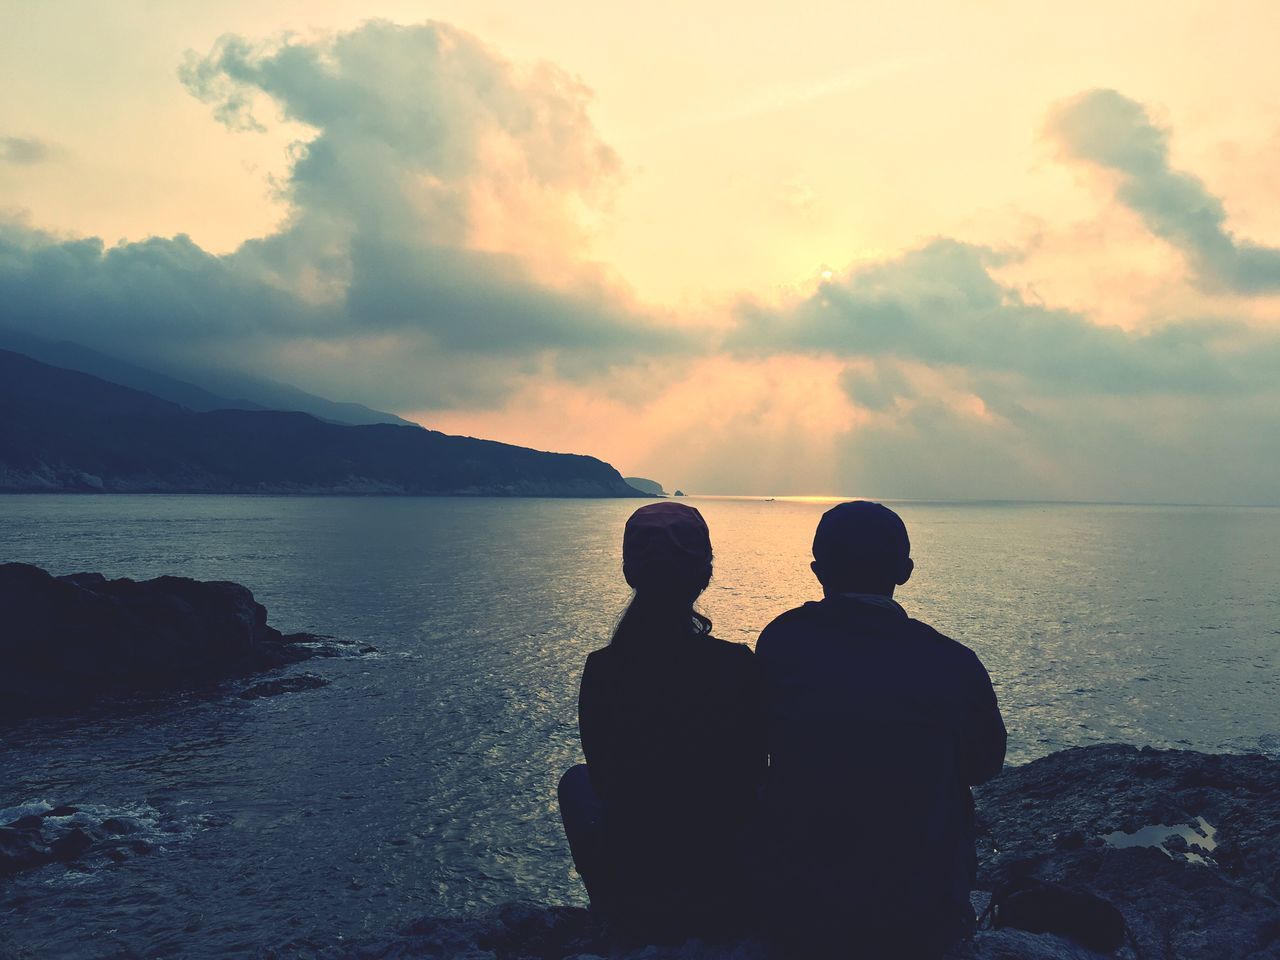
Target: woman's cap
x=665, y=542
x=863, y=535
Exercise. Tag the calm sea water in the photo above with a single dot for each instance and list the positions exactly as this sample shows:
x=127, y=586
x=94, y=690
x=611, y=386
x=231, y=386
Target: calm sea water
x=421, y=781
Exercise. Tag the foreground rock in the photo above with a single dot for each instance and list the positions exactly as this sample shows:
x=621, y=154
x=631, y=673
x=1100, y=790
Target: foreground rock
x=66, y=641
x=1063, y=818
x=1207, y=887
x=525, y=931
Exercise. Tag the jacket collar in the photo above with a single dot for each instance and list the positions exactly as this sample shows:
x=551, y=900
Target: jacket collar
x=877, y=600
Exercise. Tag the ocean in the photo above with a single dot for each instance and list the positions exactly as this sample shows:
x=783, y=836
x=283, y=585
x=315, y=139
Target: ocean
x=422, y=779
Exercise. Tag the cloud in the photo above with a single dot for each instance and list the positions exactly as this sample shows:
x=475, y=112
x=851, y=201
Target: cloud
x=1112, y=132
x=1136, y=449
x=436, y=257
x=875, y=386
x=421, y=133
x=439, y=205
x=22, y=151
x=940, y=305
x=964, y=387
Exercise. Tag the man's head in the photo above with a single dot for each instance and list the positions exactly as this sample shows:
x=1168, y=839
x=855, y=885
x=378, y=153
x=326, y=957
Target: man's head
x=861, y=547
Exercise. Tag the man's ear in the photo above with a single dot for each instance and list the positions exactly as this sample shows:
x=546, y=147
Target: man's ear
x=813, y=565
x=907, y=568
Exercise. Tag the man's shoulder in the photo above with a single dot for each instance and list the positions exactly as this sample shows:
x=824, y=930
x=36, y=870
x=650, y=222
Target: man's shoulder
x=938, y=641
x=802, y=614
x=817, y=615
x=930, y=634
x=789, y=622
x=806, y=611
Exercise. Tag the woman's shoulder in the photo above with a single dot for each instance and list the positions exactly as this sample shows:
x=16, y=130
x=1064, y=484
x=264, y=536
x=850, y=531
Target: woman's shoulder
x=600, y=672
x=726, y=650
x=600, y=659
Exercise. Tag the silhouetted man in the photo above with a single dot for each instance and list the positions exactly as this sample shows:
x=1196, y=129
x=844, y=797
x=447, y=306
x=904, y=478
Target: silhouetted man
x=877, y=726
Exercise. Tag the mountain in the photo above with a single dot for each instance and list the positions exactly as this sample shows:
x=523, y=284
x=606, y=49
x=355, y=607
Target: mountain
x=221, y=390
x=651, y=487
x=63, y=430
x=282, y=396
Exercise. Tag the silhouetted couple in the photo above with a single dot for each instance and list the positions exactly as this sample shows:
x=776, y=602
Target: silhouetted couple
x=815, y=792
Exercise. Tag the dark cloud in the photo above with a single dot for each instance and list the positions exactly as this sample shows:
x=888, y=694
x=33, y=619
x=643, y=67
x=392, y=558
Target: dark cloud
x=25, y=152
x=940, y=305
x=157, y=292
x=485, y=303
x=392, y=279
x=1107, y=129
x=876, y=388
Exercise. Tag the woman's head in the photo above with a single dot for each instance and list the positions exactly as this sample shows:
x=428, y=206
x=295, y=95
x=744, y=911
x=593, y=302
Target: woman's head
x=666, y=558
x=666, y=549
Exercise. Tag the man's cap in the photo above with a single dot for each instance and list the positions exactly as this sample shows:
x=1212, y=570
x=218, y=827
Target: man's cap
x=863, y=535
x=663, y=544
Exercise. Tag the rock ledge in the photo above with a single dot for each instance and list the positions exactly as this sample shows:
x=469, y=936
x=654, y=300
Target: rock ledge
x=67, y=641
x=1049, y=819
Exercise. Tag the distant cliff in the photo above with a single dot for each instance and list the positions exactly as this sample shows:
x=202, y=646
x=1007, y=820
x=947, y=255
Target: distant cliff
x=652, y=487
x=61, y=430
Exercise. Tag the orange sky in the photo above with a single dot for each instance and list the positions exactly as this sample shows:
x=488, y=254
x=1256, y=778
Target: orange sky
x=686, y=165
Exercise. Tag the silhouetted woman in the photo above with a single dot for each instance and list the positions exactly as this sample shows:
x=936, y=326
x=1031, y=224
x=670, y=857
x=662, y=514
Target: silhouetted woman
x=671, y=730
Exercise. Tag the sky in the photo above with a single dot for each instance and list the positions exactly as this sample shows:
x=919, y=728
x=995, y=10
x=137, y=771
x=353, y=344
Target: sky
x=936, y=250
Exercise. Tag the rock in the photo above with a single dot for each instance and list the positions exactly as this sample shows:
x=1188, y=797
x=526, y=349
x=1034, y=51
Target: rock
x=1047, y=819
x=71, y=844
x=69, y=640
x=21, y=850
x=1176, y=906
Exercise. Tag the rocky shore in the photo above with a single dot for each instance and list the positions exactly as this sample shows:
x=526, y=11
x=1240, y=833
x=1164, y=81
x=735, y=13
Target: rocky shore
x=1186, y=845
x=66, y=642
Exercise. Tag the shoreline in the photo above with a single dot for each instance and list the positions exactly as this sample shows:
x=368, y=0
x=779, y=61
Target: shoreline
x=1186, y=845
x=1062, y=818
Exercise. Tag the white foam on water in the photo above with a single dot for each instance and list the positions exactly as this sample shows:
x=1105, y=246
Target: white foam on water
x=10, y=814
x=141, y=820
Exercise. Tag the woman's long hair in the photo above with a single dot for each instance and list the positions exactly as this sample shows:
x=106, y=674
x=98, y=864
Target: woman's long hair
x=655, y=616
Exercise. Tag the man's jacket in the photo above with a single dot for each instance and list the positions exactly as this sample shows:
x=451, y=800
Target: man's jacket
x=877, y=727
